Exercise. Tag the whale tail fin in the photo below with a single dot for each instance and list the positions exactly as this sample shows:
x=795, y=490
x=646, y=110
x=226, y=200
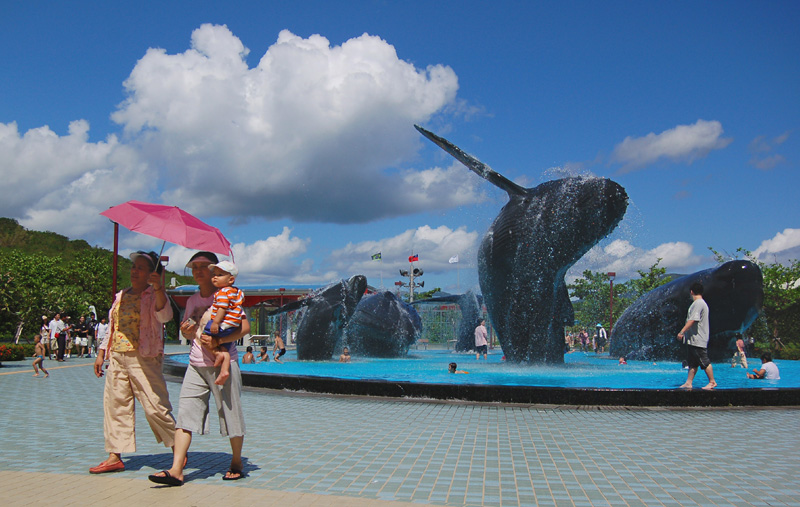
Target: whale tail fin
x=290, y=307
x=472, y=163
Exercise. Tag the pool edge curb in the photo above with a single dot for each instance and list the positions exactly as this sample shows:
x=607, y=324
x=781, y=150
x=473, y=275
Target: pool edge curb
x=526, y=395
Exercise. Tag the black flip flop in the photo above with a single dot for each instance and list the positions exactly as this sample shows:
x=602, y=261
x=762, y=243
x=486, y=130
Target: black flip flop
x=238, y=473
x=165, y=479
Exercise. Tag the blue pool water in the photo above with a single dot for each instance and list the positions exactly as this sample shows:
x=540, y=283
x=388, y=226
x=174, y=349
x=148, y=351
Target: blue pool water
x=581, y=370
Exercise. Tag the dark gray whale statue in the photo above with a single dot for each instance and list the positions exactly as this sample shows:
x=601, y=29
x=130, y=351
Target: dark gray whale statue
x=538, y=235
x=648, y=328
x=382, y=326
x=327, y=312
x=470, y=305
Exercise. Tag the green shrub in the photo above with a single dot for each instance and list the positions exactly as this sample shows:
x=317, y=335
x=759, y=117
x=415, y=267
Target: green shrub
x=11, y=352
x=791, y=351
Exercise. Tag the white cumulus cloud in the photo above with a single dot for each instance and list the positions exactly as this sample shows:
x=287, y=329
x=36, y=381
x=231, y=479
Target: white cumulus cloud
x=281, y=257
x=682, y=143
x=275, y=258
x=625, y=259
x=435, y=246
x=62, y=183
x=315, y=132
x=784, y=246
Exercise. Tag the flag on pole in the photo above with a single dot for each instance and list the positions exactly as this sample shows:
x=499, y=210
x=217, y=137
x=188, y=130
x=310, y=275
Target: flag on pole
x=376, y=257
x=413, y=258
x=453, y=259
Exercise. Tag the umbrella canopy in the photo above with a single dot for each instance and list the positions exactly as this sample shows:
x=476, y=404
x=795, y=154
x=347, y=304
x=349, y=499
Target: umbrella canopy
x=169, y=223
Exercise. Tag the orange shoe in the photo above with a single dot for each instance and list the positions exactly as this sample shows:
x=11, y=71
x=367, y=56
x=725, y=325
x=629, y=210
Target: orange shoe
x=105, y=467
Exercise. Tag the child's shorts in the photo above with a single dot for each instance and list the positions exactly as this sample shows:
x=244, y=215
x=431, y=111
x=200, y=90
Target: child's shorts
x=221, y=334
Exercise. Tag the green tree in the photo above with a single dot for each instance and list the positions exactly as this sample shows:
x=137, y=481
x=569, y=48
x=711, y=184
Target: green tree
x=592, y=292
x=648, y=280
x=30, y=285
x=427, y=295
x=42, y=273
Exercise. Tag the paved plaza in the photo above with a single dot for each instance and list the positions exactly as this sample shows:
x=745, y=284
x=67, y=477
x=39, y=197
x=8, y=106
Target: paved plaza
x=318, y=450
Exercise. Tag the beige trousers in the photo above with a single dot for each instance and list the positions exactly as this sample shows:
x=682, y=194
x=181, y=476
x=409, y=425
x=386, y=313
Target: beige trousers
x=129, y=375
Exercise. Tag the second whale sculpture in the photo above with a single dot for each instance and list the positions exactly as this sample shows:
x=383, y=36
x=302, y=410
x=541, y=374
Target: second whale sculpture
x=648, y=328
x=538, y=235
x=382, y=325
x=327, y=312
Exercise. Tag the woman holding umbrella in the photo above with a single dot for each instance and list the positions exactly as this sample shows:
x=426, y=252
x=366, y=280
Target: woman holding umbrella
x=198, y=383
x=134, y=347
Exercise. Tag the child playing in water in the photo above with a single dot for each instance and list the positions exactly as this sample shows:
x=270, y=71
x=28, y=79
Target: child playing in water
x=263, y=356
x=226, y=316
x=38, y=354
x=279, y=349
x=452, y=368
x=248, y=357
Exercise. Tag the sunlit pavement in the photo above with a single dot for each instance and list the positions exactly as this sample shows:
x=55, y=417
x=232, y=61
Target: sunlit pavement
x=325, y=450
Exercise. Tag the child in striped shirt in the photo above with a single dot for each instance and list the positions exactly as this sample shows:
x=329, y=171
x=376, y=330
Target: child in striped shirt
x=226, y=315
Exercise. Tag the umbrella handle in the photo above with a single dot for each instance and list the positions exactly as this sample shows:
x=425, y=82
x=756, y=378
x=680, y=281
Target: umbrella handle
x=164, y=273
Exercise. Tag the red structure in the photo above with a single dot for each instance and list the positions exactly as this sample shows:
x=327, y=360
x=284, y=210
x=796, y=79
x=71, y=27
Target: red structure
x=268, y=295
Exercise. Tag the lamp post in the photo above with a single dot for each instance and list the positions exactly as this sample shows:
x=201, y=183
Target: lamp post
x=411, y=274
x=611, y=276
x=280, y=322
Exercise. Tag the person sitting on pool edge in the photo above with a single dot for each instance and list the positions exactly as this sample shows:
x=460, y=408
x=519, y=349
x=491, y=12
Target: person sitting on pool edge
x=452, y=368
x=768, y=371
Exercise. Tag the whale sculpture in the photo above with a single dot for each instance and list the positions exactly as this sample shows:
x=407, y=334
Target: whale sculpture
x=327, y=312
x=382, y=325
x=470, y=305
x=648, y=328
x=538, y=235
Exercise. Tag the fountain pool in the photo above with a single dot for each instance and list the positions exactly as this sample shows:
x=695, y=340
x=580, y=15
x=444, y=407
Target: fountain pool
x=584, y=379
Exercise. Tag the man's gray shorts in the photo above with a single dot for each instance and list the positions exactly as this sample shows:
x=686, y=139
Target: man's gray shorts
x=193, y=408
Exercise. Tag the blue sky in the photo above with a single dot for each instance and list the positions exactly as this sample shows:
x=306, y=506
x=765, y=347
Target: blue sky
x=290, y=125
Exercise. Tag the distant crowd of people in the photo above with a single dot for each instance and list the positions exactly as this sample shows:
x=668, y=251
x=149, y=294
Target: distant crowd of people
x=59, y=337
x=598, y=342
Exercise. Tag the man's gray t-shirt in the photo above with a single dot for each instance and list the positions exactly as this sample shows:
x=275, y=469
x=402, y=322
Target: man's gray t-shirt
x=697, y=334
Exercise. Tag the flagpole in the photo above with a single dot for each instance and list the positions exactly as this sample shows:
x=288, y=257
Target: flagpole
x=458, y=278
x=454, y=260
x=379, y=257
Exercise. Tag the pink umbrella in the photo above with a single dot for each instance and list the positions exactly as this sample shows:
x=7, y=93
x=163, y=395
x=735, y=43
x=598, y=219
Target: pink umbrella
x=168, y=223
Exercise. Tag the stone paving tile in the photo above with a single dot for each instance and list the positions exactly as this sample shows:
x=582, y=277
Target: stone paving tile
x=324, y=450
